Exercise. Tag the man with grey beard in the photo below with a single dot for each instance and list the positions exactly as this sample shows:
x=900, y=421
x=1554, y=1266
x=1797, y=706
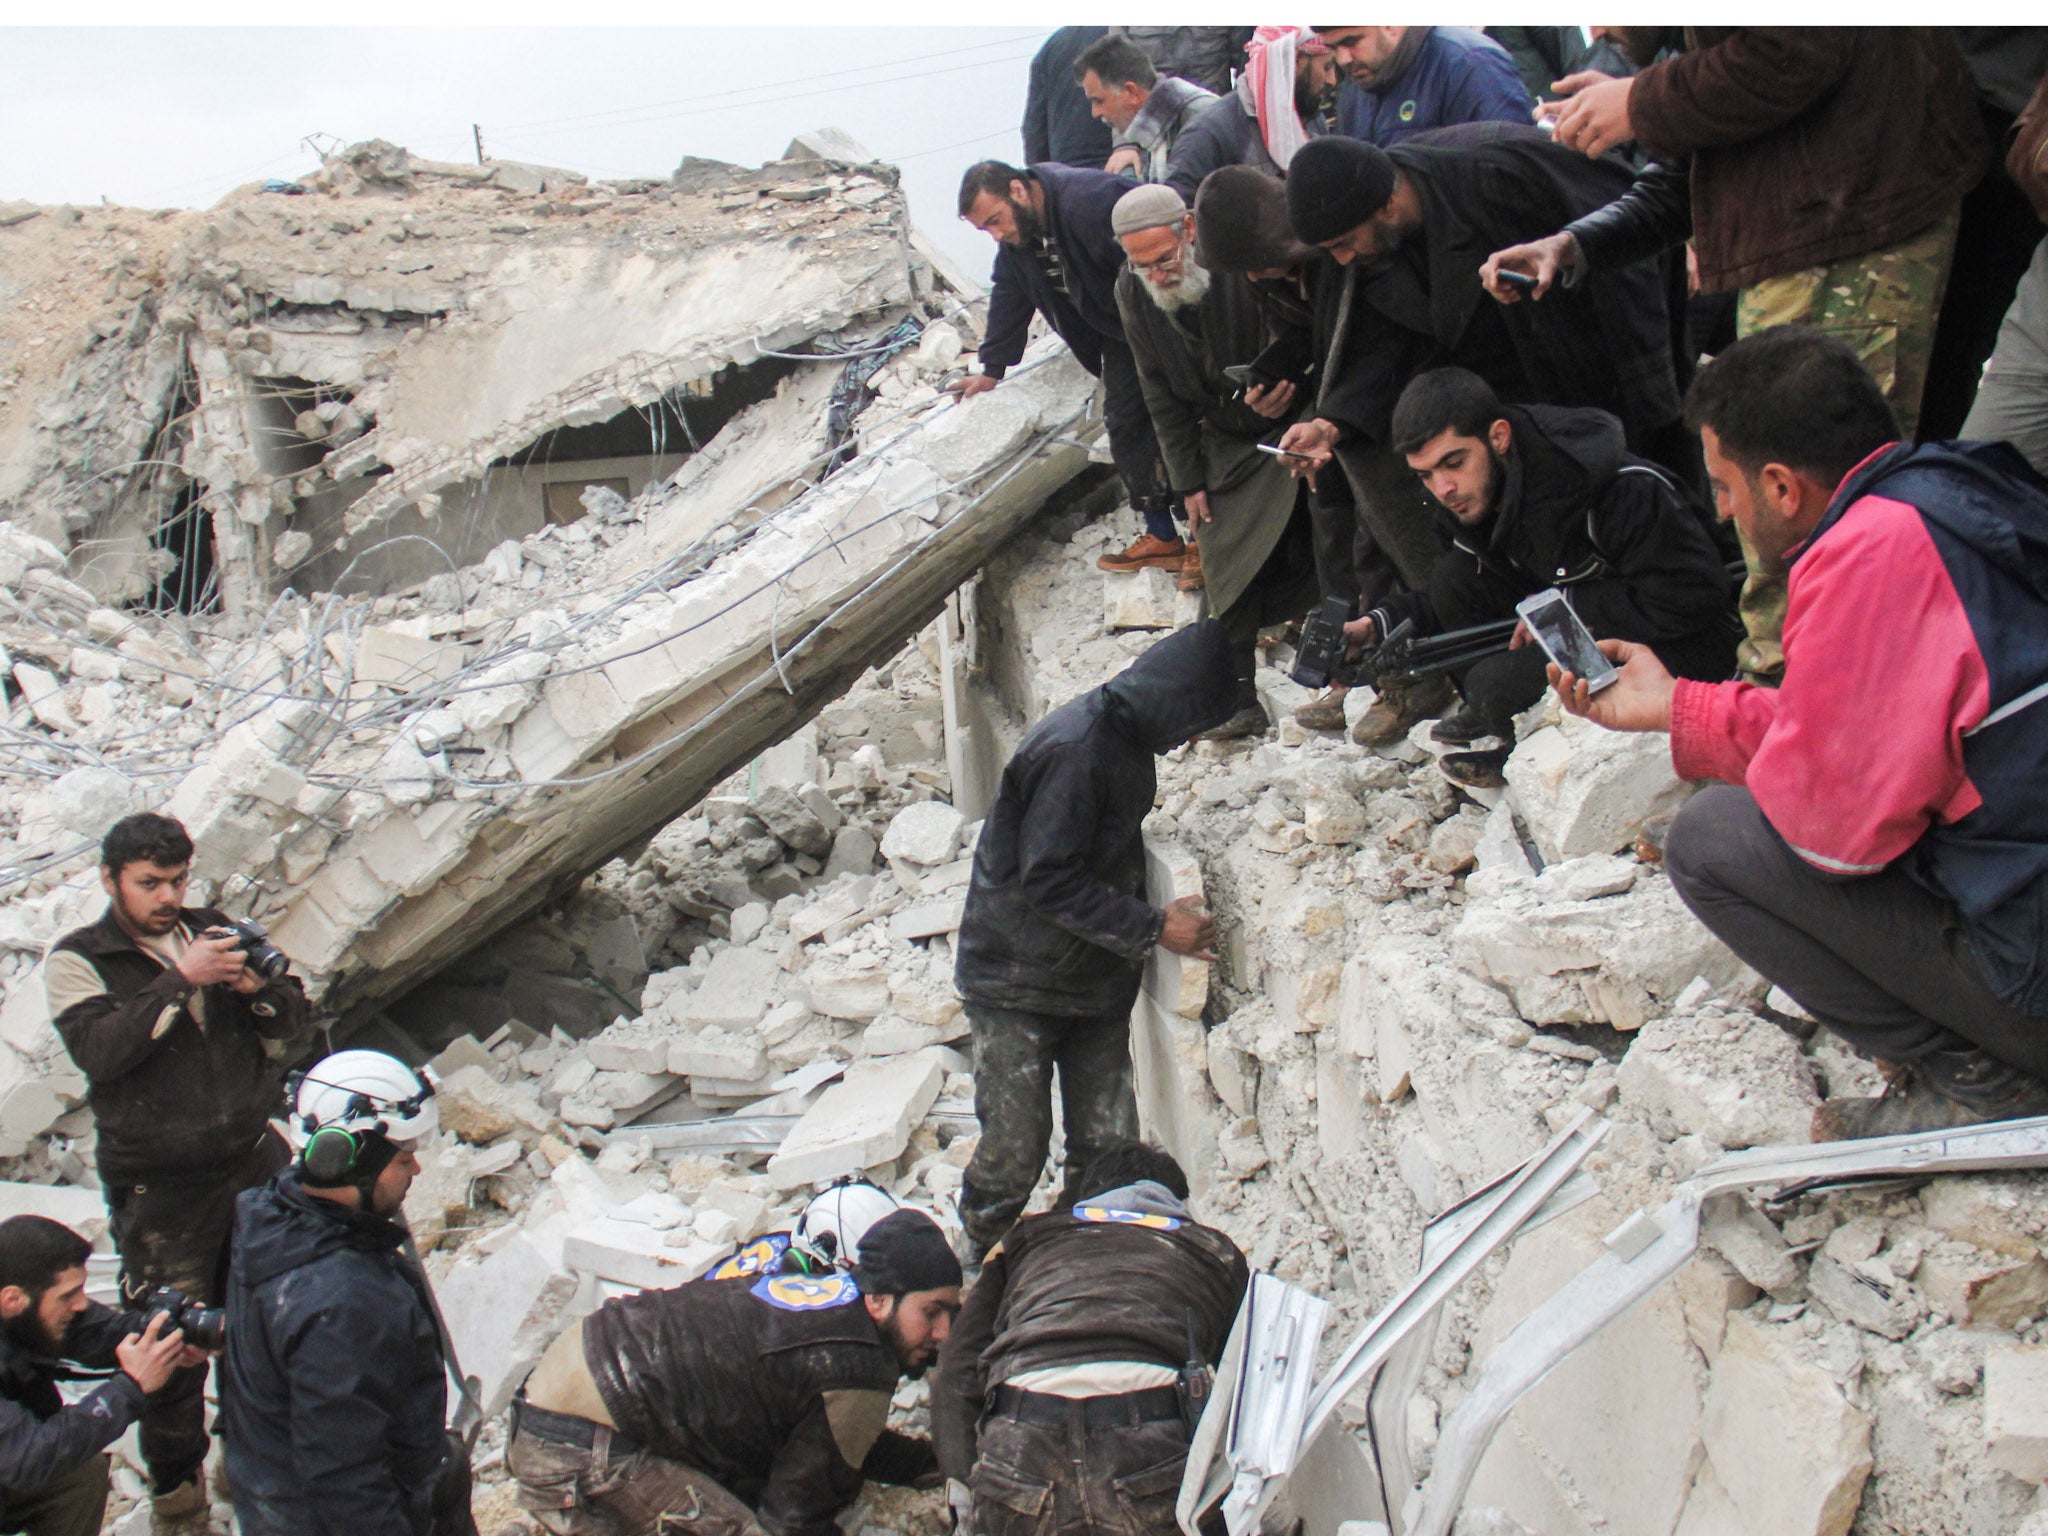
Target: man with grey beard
x=1186, y=327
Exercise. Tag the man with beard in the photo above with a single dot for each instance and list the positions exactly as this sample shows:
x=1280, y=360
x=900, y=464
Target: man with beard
x=1534, y=497
x=1401, y=81
x=1275, y=108
x=741, y=1406
x=1056, y=255
x=182, y=1047
x=1186, y=326
x=53, y=1479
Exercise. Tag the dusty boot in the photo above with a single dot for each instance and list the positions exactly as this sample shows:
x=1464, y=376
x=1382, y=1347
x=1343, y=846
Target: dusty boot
x=1250, y=720
x=1147, y=551
x=1191, y=568
x=183, y=1511
x=1461, y=729
x=1325, y=713
x=1476, y=770
x=1935, y=1092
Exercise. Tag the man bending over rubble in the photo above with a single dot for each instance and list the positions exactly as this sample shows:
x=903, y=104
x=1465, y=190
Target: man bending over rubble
x=736, y=1407
x=1067, y=1393
x=1057, y=930
x=1878, y=845
x=180, y=1042
x=1537, y=496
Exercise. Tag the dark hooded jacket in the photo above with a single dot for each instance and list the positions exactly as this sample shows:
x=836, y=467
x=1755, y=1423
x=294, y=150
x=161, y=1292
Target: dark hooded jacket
x=1126, y=1275
x=1058, y=124
x=1077, y=209
x=333, y=1393
x=776, y=1386
x=1056, y=919
x=41, y=1438
x=1578, y=511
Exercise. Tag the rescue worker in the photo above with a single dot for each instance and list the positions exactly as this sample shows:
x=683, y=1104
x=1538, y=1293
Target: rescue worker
x=1074, y=1341
x=733, y=1407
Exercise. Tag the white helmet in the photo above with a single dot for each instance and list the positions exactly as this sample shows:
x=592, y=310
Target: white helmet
x=363, y=1092
x=834, y=1222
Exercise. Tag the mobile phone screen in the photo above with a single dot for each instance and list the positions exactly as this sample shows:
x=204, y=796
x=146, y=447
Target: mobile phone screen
x=1565, y=639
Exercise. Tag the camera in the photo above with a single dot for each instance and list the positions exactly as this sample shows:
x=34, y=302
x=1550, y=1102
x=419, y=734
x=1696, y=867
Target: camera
x=1320, y=653
x=204, y=1327
x=258, y=953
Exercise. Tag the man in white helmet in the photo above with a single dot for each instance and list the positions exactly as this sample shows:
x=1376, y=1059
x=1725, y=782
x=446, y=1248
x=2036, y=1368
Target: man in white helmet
x=334, y=1390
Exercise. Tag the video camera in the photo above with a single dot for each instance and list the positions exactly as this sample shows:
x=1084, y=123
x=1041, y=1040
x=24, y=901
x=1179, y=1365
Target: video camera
x=203, y=1327
x=258, y=953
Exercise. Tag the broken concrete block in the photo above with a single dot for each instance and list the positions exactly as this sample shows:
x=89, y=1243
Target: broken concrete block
x=89, y=799
x=1857, y=1296
x=1791, y=1451
x=735, y=992
x=45, y=697
x=976, y=435
x=1731, y=1077
x=925, y=833
x=1141, y=599
x=793, y=819
x=2016, y=1410
x=855, y=995
x=633, y=1253
x=1995, y=1212
x=462, y=1051
x=503, y=1311
x=1333, y=819
x=1985, y=1290
x=892, y=1036
x=853, y=852
x=1582, y=789
x=476, y=1107
x=926, y=919
x=84, y=1211
x=861, y=1121
x=1746, y=1238
x=751, y=1214
x=713, y=1053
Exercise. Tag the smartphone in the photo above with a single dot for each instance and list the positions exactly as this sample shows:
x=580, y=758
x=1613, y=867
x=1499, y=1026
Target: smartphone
x=1521, y=280
x=1565, y=639
x=1284, y=453
x=1246, y=376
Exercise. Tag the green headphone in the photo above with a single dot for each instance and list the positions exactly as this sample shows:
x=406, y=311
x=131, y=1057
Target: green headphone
x=330, y=1155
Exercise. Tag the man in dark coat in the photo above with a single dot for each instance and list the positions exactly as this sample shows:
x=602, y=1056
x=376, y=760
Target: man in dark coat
x=1057, y=930
x=335, y=1389
x=1058, y=125
x=737, y=1407
x=181, y=1044
x=53, y=1479
x=1537, y=496
x=1402, y=81
x=1056, y=255
x=1186, y=325
x=1058, y=1395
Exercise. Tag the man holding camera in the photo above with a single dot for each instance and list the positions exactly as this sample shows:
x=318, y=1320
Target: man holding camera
x=53, y=1479
x=178, y=1031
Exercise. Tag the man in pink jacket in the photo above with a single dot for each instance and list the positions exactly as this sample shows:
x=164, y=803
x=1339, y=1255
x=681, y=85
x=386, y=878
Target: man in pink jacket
x=1878, y=843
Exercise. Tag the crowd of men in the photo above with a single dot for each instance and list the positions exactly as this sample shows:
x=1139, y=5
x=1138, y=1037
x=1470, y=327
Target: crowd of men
x=1730, y=344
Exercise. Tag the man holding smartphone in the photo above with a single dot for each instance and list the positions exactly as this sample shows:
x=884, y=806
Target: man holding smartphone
x=1539, y=497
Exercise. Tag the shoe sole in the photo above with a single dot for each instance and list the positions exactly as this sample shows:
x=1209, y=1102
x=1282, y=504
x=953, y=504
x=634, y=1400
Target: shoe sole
x=1154, y=562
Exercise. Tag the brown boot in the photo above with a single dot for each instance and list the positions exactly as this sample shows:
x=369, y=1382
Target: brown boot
x=1148, y=551
x=183, y=1511
x=1936, y=1092
x=1191, y=568
x=1325, y=713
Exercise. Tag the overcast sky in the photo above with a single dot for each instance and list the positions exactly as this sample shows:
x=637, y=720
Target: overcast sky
x=155, y=117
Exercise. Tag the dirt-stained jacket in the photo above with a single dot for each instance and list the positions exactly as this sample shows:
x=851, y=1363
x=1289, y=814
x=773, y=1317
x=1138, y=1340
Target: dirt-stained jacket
x=170, y=1098
x=41, y=1438
x=777, y=1386
x=1125, y=1276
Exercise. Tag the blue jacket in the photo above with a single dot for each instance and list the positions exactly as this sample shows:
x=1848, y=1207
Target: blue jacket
x=1458, y=76
x=1077, y=209
x=1058, y=123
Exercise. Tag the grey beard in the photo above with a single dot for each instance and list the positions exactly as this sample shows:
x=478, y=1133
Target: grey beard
x=1192, y=288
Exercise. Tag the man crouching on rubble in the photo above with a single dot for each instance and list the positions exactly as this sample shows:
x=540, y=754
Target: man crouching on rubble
x=1878, y=845
x=736, y=1407
x=1067, y=1393
x=53, y=1479
x=181, y=1044
x=1054, y=940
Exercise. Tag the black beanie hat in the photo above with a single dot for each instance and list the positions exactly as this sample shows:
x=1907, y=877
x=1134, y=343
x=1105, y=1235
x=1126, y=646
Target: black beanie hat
x=1241, y=222
x=1335, y=184
x=903, y=1252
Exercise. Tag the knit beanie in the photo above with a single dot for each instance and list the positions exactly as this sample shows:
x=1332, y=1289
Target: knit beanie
x=1241, y=222
x=903, y=1252
x=1334, y=185
x=1154, y=206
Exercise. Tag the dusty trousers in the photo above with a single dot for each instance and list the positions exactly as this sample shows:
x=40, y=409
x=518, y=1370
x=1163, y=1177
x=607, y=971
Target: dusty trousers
x=1077, y=1479
x=73, y=1505
x=603, y=1490
x=1879, y=959
x=175, y=1234
x=1015, y=1055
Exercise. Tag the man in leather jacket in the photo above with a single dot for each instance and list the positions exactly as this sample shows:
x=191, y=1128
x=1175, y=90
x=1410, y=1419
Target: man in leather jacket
x=737, y=1407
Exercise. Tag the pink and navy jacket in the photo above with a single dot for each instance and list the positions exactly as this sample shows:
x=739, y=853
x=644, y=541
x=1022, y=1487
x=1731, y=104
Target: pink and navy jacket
x=1913, y=720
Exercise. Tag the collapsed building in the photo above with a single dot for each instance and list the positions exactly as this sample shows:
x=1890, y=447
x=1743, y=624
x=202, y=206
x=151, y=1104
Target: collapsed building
x=571, y=617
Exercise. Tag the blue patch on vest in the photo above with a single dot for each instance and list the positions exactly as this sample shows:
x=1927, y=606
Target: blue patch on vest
x=806, y=1293
x=1129, y=1218
x=760, y=1257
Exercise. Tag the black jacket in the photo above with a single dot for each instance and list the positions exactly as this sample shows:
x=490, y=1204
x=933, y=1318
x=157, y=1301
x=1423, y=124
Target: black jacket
x=1056, y=918
x=1077, y=209
x=333, y=1393
x=172, y=1100
x=1087, y=1284
x=1605, y=342
x=1578, y=511
x=777, y=1386
x=42, y=1440
x=1058, y=124
x=1205, y=55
